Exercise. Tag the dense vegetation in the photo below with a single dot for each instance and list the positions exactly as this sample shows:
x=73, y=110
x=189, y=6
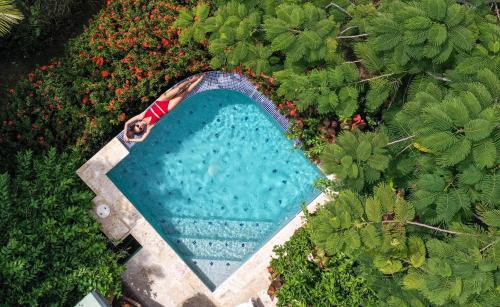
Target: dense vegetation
x=314, y=279
x=52, y=250
x=399, y=99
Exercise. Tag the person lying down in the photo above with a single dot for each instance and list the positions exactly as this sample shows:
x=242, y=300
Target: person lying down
x=138, y=127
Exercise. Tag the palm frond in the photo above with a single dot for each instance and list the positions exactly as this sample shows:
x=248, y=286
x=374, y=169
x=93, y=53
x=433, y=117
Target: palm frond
x=9, y=16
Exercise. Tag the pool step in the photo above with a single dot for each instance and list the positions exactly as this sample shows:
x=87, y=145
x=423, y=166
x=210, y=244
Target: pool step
x=220, y=229
x=218, y=270
x=213, y=249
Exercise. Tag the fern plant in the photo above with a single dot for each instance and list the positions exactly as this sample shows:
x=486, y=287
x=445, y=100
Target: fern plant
x=302, y=32
x=357, y=159
x=452, y=140
x=381, y=232
x=193, y=23
x=429, y=32
x=328, y=90
x=456, y=127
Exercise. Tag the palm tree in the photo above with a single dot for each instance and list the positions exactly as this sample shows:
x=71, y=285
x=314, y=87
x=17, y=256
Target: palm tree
x=9, y=15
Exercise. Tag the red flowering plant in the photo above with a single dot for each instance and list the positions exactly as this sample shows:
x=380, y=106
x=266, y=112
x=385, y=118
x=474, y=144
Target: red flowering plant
x=125, y=57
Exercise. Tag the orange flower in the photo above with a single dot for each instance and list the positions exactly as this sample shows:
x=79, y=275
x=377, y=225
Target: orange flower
x=122, y=117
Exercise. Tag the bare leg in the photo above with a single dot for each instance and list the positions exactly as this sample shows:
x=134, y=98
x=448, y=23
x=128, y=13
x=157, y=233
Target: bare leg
x=177, y=99
x=175, y=91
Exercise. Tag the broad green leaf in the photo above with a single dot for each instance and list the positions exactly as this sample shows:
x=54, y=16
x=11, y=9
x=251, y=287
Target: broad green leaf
x=363, y=151
x=386, y=196
x=478, y=129
x=436, y=9
x=404, y=211
x=354, y=170
x=437, y=34
x=370, y=236
x=416, y=251
x=388, y=266
x=373, y=209
x=346, y=161
x=345, y=220
x=462, y=38
x=455, y=154
x=414, y=280
x=418, y=23
x=485, y=154
x=454, y=15
x=379, y=162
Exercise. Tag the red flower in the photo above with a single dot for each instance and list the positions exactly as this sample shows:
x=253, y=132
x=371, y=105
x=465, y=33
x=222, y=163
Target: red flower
x=98, y=60
x=358, y=120
x=105, y=73
x=99, y=47
x=85, y=99
x=43, y=68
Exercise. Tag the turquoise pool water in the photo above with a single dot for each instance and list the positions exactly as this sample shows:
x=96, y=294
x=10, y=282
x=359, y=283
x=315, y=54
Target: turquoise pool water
x=216, y=178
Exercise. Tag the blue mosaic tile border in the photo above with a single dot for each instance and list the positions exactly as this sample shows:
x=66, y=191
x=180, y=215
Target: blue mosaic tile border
x=231, y=81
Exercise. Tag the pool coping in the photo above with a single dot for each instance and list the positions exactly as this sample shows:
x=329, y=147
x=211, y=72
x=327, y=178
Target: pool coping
x=156, y=274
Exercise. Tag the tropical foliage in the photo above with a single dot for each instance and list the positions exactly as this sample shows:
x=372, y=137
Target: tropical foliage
x=52, y=252
x=310, y=278
x=457, y=265
x=397, y=98
x=417, y=168
x=9, y=16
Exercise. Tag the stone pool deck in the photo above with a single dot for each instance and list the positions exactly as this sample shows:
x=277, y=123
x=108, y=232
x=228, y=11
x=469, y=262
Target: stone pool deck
x=156, y=274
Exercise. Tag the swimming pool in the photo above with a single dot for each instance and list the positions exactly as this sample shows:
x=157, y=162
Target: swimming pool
x=216, y=178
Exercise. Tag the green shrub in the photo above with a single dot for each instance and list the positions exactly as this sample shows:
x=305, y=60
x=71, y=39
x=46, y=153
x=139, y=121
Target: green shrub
x=305, y=283
x=357, y=159
x=420, y=184
x=52, y=252
x=406, y=261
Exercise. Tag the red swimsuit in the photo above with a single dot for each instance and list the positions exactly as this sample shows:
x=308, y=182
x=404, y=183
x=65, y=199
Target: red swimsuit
x=157, y=110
